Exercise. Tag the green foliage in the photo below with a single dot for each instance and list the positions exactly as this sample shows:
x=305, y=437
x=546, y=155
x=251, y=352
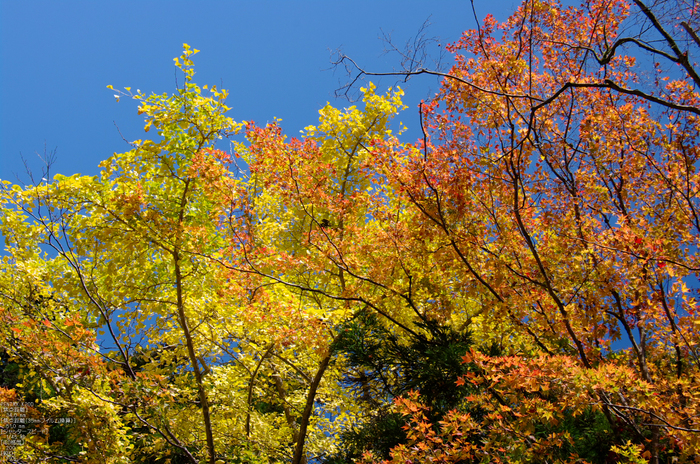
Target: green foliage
x=382, y=366
x=9, y=371
x=385, y=366
x=380, y=433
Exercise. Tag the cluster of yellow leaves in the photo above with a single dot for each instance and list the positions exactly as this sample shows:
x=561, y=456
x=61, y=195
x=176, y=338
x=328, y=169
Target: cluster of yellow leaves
x=164, y=255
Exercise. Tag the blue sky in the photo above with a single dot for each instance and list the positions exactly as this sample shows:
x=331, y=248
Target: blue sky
x=56, y=59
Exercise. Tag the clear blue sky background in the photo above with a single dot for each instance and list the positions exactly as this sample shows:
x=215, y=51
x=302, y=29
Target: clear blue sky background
x=56, y=59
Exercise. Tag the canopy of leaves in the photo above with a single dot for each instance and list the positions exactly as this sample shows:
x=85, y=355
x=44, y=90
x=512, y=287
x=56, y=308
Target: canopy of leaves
x=521, y=285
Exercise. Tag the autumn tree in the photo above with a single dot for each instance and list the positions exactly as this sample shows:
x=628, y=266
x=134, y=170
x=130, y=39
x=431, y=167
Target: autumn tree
x=324, y=221
x=559, y=173
x=141, y=335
